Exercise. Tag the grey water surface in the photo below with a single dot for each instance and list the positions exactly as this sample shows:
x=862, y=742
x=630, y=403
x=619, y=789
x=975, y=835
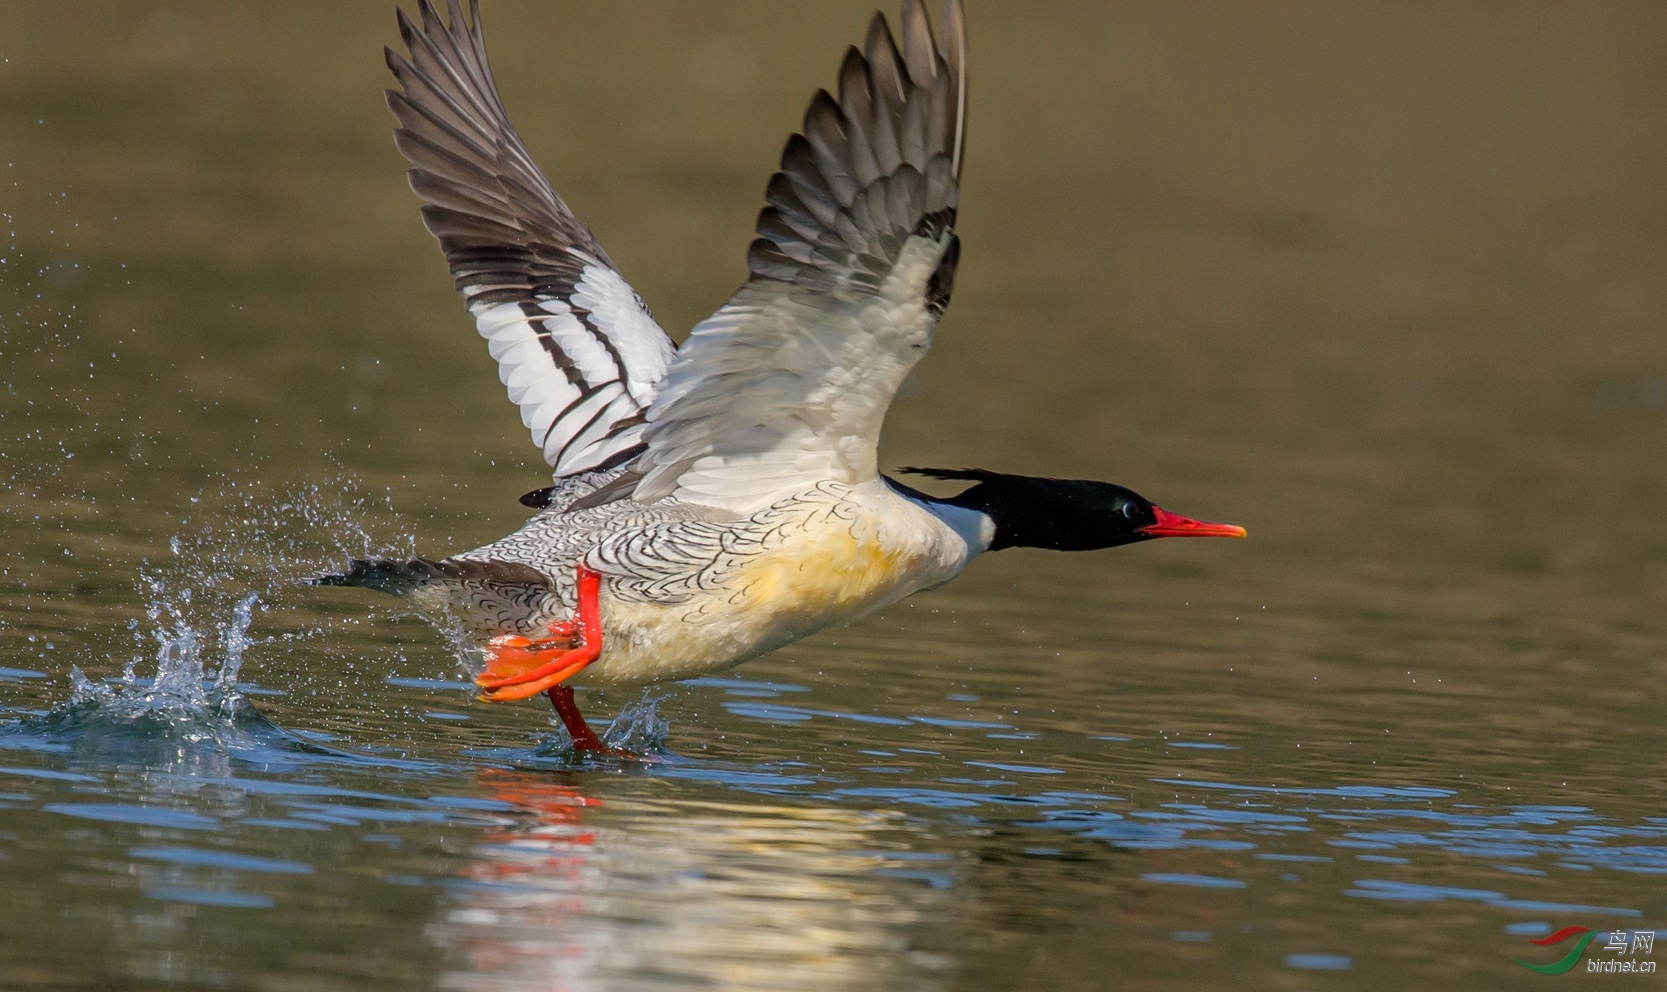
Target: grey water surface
x=1386, y=284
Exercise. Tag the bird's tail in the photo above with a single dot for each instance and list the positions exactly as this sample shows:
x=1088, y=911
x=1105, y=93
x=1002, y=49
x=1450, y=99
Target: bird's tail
x=484, y=598
x=400, y=578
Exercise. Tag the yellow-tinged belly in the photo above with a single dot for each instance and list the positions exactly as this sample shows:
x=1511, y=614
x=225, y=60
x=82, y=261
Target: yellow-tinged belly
x=838, y=575
x=824, y=571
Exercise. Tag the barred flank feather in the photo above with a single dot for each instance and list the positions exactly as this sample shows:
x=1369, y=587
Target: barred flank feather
x=484, y=597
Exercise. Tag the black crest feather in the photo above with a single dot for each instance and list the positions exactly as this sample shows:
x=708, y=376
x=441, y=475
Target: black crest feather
x=951, y=474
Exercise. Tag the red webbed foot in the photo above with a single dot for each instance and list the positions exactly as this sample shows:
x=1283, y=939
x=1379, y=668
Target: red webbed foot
x=518, y=667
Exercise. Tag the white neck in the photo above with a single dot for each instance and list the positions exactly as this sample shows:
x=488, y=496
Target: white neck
x=975, y=527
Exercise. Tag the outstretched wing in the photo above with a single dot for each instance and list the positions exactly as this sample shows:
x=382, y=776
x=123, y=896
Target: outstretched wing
x=578, y=350
x=788, y=383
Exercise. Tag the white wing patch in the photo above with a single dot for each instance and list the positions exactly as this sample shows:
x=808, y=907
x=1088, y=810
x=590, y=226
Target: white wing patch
x=580, y=372
x=637, y=339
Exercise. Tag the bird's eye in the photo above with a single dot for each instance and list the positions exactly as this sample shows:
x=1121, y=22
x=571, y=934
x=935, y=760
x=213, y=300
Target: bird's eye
x=1131, y=510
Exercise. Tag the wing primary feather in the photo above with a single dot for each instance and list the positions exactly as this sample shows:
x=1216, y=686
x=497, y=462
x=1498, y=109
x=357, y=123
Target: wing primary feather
x=886, y=85
x=920, y=54
x=509, y=239
x=824, y=129
x=955, y=58
x=858, y=108
x=786, y=385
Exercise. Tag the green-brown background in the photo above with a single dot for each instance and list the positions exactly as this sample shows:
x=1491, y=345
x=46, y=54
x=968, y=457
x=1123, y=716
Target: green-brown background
x=1386, y=284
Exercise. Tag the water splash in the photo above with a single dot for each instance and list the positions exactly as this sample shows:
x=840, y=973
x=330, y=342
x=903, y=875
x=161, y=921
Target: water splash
x=243, y=539
x=240, y=536
x=639, y=729
x=237, y=641
x=241, y=546
x=181, y=692
x=184, y=718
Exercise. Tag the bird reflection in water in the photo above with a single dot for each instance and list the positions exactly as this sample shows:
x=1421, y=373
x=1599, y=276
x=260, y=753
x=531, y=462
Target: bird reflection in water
x=639, y=892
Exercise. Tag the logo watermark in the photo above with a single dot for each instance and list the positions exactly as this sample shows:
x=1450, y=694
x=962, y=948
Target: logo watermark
x=1631, y=949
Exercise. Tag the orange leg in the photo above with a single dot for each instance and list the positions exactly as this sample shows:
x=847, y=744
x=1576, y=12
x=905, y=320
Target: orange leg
x=518, y=668
x=584, y=738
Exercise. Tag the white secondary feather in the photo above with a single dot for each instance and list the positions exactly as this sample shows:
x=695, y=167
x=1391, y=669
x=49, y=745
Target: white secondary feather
x=617, y=309
x=576, y=374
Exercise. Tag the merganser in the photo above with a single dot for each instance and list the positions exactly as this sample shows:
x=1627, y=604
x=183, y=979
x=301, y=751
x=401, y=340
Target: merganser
x=714, y=502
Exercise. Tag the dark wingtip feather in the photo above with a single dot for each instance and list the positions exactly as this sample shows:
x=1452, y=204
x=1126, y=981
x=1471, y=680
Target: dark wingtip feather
x=885, y=153
x=430, y=16
x=407, y=27
x=919, y=49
